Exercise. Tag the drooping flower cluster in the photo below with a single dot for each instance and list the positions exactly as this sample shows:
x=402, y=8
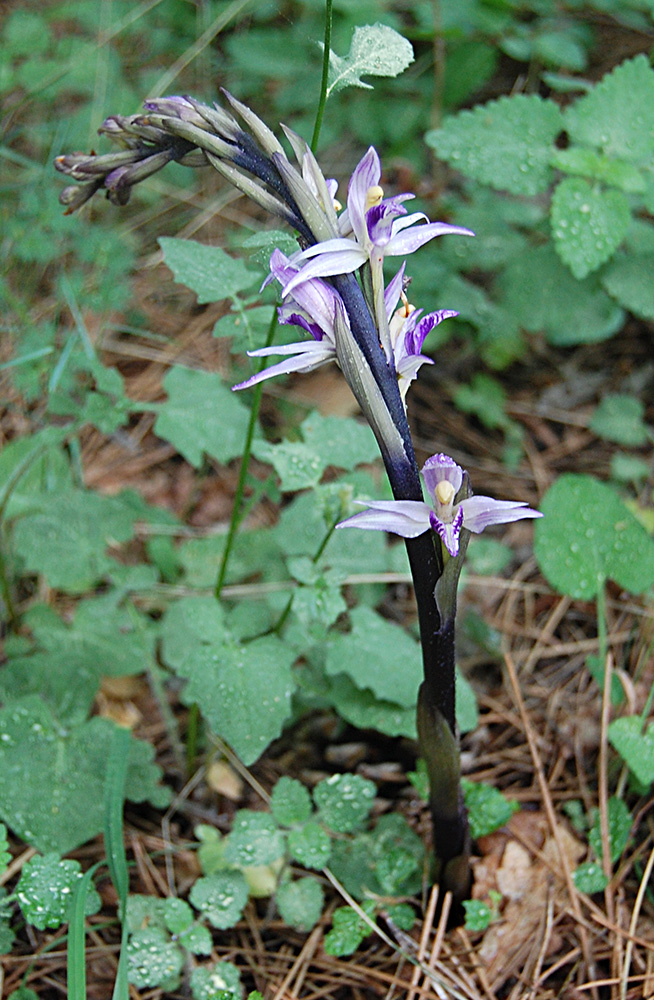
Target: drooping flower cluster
x=443, y=479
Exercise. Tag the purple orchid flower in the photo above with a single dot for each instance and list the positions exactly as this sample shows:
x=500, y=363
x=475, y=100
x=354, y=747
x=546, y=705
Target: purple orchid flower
x=443, y=479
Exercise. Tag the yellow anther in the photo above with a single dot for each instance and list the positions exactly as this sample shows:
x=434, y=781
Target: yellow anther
x=374, y=195
x=337, y=205
x=407, y=308
x=444, y=492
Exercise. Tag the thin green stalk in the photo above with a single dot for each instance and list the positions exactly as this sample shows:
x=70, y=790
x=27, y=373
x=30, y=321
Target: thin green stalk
x=237, y=508
x=321, y=548
x=325, y=76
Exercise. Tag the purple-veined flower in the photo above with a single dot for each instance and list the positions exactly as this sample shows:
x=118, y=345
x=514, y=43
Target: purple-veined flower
x=443, y=479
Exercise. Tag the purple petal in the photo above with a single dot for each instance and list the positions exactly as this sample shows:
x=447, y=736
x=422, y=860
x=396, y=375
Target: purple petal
x=415, y=336
x=393, y=291
x=448, y=533
x=313, y=356
x=480, y=512
x=366, y=174
x=296, y=319
x=403, y=242
x=408, y=518
x=441, y=467
x=324, y=264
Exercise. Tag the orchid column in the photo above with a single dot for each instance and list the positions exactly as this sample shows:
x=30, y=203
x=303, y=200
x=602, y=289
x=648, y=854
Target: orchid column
x=333, y=288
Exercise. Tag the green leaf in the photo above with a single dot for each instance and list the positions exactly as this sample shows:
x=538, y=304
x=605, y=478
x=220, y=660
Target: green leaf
x=588, y=224
x=220, y=898
x=221, y=981
x=201, y=415
x=246, y=327
x=487, y=808
x=46, y=771
x=588, y=535
x=376, y=50
x=262, y=245
x=300, y=903
x=344, y=443
x=153, y=959
x=506, y=144
x=5, y=855
x=196, y=939
x=635, y=745
x=348, y=930
x=487, y=556
x=177, y=914
x=298, y=466
x=208, y=271
x=628, y=278
x=485, y=398
x=628, y=468
x=467, y=713
x=365, y=711
x=543, y=296
x=310, y=846
x=619, y=418
x=243, y=690
x=588, y=163
x=617, y=116
x=254, y=840
x=620, y=822
x=290, y=802
x=44, y=891
x=344, y=801
x=478, y=915
x=589, y=878
x=67, y=538
x=370, y=653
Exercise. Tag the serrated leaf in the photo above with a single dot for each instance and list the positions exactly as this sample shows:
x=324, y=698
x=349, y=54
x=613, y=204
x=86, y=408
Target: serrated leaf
x=620, y=823
x=67, y=538
x=201, y=415
x=298, y=465
x=221, y=981
x=262, y=245
x=253, y=840
x=487, y=808
x=247, y=328
x=344, y=801
x=587, y=535
x=47, y=771
x=543, y=296
x=588, y=224
x=506, y=144
x=177, y=914
x=221, y=898
x=243, y=690
x=310, y=846
x=45, y=889
x=290, y=802
x=196, y=939
x=478, y=915
x=588, y=163
x=365, y=711
x=208, y=271
x=376, y=50
x=5, y=855
x=617, y=116
x=300, y=903
x=619, y=418
x=628, y=279
x=370, y=653
x=153, y=959
x=348, y=930
x=635, y=745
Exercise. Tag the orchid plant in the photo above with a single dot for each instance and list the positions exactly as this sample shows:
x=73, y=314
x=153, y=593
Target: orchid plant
x=333, y=289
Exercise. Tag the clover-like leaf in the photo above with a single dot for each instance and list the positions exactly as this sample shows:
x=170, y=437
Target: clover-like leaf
x=290, y=802
x=221, y=981
x=310, y=845
x=487, y=808
x=588, y=224
x=201, y=415
x=243, y=689
x=506, y=144
x=153, y=959
x=588, y=535
x=635, y=745
x=344, y=801
x=254, y=840
x=300, y=903
x=348, y=929
x=47, y=772
x=208, y=271
x=221, y=898
x=617, y=115
x=45, y=890
x=376, y=50
x=590, y=878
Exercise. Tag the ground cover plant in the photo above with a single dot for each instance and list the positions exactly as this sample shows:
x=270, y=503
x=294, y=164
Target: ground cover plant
x=273, y=643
